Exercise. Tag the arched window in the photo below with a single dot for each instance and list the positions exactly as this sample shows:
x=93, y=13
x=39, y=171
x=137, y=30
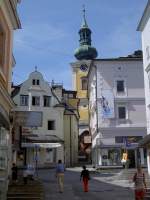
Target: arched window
x=84, y=83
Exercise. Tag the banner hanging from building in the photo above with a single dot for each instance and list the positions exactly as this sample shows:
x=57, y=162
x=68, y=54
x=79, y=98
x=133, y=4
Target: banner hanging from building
x=107, y=104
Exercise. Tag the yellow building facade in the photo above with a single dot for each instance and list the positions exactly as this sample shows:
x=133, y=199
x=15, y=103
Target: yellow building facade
x=79, y=78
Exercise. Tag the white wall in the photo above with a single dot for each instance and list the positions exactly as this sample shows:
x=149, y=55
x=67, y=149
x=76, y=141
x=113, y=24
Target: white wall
x=146, y=61
x=108, y=71
x=49, y=113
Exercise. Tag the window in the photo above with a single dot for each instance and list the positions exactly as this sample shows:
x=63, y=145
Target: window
x=38, y=82
x=3, y=157
x=84, y=83
x=122, y=112
x=70, y=95
x=120, y=86
x=35, y=101
x=24, y=100
x=35, y=82
x=47, y=101
x=3, y=136
x=51, y=125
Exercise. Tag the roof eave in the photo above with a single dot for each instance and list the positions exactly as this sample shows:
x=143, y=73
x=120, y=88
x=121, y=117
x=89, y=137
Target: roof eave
x=145, y=16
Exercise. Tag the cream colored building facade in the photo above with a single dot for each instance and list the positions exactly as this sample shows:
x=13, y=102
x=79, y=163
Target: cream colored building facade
x=43, y=140
x=9, y=21
x=71, y=130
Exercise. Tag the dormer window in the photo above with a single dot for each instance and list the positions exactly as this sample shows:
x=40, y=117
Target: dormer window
x=35, y=82
x=38, y=82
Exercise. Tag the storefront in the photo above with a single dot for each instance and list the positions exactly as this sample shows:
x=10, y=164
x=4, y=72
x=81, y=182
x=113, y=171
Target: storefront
x=5, y=153
x=41, y=150
x=111, y=155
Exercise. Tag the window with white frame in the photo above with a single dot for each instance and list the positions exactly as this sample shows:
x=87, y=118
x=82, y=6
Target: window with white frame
x=122, y=113
x=120, y=86
x=24, y=100
x=36, y=101
x=51, y=125
x=35, y=82
x=47, y=101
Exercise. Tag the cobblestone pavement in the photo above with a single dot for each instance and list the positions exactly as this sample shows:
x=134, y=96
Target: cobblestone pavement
x=98, y=190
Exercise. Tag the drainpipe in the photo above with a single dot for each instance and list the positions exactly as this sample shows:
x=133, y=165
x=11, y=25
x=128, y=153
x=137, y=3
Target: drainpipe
x=70, y=143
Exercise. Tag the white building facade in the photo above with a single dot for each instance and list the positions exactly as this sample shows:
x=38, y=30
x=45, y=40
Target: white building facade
x=117, y=110
x=40, y=135
x=144, y=27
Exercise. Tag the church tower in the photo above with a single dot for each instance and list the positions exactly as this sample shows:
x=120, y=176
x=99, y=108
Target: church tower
x=84, y=54
x=85, y=50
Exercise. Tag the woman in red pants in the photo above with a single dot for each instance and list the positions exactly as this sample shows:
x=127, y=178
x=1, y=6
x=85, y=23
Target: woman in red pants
x=140, y=184
x=85, y=176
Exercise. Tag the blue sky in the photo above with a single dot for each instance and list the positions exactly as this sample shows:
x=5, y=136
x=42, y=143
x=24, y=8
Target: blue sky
x=49, y=34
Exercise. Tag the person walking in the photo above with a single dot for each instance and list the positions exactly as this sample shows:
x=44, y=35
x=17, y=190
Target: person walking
x=85, y=176
x=14, y=172
x=60, y=169
x=140, y=184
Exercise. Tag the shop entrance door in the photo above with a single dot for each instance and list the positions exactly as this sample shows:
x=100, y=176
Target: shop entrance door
x=131, y=158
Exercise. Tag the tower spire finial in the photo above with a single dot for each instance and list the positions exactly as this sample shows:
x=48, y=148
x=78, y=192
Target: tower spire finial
x=84, y=11
x=35, y=68
x=84, y=24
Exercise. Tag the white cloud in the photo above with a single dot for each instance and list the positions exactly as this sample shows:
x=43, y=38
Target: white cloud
x=32, y=36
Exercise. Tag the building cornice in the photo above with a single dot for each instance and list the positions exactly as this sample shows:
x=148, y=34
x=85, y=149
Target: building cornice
x=77, y=64
x=129, y=127
x=145, y=17
x=121, y=59
x=10, y=7
x=126, y=98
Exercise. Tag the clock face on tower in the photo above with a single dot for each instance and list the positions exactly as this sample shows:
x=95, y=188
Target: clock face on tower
x=83, y=67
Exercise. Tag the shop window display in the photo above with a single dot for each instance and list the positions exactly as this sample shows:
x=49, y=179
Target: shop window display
x=111, y=157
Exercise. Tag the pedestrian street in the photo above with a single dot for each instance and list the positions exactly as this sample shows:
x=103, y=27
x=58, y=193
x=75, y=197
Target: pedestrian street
x=73, y=188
